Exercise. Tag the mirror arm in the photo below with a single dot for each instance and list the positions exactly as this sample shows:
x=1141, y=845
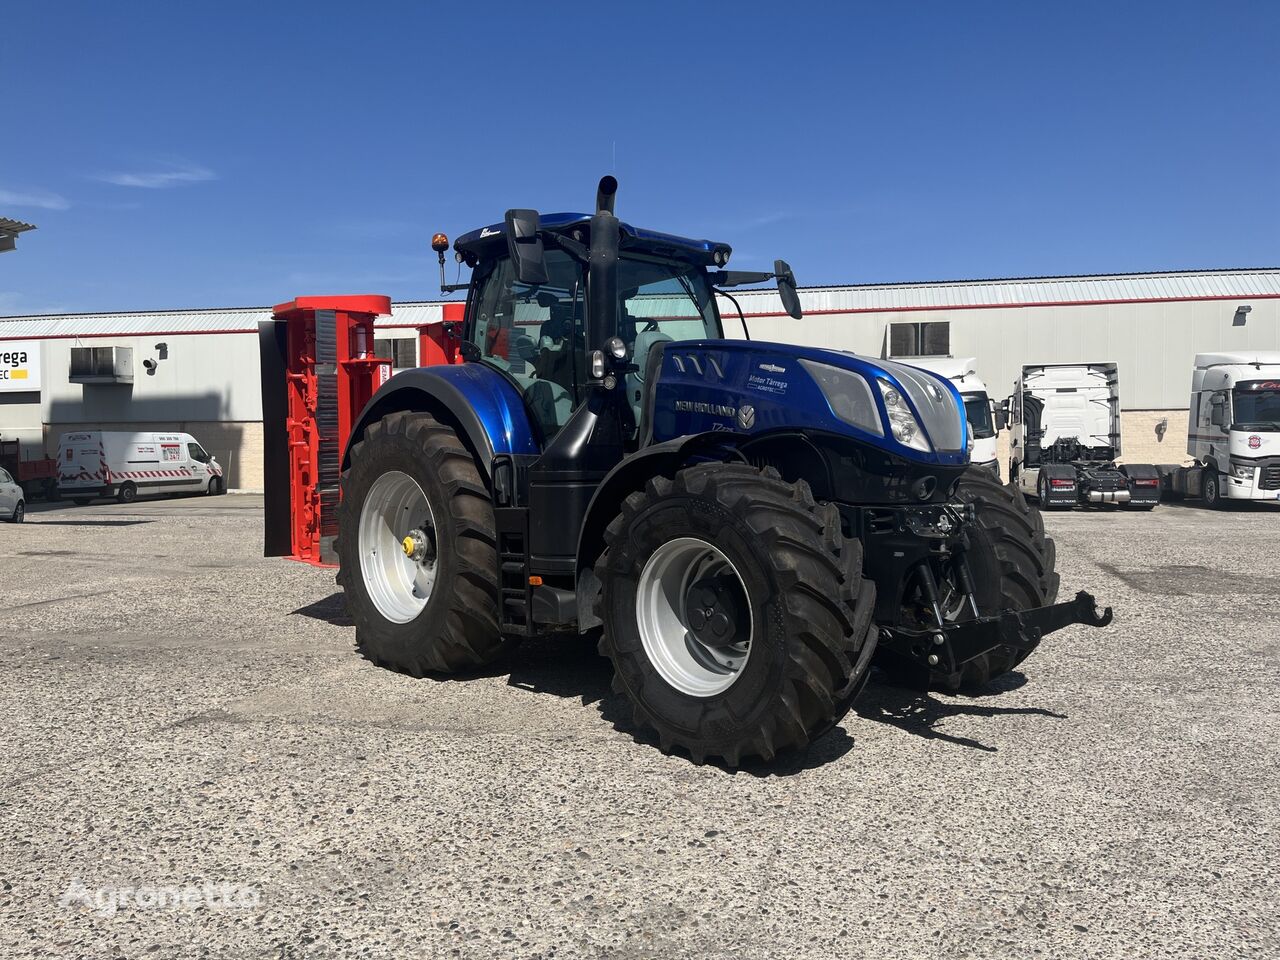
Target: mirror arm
x=737, y=278
x=579, y=251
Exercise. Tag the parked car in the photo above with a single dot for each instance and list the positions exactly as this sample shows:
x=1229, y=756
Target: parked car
x=13, y=505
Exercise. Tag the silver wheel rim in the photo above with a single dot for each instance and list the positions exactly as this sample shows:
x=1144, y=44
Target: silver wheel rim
x=663, y=603
x=398, y=584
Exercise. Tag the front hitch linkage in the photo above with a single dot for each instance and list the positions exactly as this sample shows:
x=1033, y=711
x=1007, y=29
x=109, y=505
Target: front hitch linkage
x=948, y=647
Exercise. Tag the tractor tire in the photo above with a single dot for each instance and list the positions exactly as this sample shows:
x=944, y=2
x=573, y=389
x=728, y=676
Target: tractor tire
x=435, y=611
x=736, y=556
x=1012, y=562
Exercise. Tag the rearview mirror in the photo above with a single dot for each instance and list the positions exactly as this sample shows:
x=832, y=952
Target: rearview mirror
x=1218, y=410
x=1000, y=414
x=787, y=288
x=525, y=246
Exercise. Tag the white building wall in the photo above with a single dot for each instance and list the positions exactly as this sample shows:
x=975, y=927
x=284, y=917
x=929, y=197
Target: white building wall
x=204, y=377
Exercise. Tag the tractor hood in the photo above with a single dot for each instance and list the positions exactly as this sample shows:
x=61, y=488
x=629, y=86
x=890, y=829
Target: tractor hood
x=753, y=387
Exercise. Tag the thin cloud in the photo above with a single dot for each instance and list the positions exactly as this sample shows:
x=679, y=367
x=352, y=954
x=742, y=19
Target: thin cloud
x=41, y=199
x=174, y=176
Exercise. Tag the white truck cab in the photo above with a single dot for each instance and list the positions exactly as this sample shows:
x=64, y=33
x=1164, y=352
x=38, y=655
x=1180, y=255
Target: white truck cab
x=95, y=464
x=1233, y=430
x=1064, y=422
x=979, y=408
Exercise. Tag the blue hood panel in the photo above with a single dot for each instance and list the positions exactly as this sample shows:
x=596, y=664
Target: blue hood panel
x=705, y=385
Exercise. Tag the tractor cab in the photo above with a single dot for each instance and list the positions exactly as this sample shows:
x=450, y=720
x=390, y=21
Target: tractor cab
x=538, y=315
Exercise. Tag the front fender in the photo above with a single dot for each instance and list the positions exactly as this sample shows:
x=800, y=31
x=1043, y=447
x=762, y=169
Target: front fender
x=482, y=404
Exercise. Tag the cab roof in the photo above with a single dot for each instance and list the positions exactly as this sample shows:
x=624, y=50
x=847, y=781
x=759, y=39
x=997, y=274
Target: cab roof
x=491, y=241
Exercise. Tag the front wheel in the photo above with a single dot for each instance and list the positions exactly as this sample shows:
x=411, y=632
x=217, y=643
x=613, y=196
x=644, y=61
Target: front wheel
x=215, y=486
x=734, y=611
x=417, y=548
x=19, y=512
x=1211, y=489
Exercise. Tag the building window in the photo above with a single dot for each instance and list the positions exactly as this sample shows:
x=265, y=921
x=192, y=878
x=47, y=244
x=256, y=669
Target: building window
x=925, y=339
x=402, y=352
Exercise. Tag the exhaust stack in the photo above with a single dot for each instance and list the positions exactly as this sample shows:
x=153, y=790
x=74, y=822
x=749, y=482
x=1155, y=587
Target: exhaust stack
x=605, y=194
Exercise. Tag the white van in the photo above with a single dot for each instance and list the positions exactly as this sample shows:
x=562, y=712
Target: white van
x=98, y=463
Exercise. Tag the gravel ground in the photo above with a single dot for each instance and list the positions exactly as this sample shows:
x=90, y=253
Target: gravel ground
x=179, y=712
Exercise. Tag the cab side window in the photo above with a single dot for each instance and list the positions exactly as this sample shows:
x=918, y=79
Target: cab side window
x=535, y=334
x=197, y=454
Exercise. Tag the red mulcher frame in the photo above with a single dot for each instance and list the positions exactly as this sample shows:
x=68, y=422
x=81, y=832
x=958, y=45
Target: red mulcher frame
x=318, y=372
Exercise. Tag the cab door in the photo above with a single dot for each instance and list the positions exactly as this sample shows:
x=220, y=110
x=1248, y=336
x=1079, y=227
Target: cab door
x=202, y=466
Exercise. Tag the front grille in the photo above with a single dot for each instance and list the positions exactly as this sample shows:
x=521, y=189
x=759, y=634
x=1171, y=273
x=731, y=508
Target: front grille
x=1270, y=479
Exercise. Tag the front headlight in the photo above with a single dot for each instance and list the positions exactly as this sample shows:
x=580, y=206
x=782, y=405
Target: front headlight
x=905, y=426
x=1243, y=471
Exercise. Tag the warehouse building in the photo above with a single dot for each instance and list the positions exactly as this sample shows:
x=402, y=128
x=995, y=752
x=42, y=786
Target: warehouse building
x=197, y=370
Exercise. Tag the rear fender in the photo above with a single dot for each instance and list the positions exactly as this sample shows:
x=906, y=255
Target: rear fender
x=482, y=405
x=1145, y=492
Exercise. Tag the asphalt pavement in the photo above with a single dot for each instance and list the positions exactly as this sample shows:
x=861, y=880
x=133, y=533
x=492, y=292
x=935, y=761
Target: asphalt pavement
x=196, y=762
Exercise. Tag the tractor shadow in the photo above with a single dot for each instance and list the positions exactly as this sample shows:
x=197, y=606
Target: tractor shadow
x=332, y=610
x=569, y=667
x=915, y=711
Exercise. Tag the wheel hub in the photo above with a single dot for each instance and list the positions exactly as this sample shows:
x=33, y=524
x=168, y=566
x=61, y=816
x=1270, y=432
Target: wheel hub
x=715, y=611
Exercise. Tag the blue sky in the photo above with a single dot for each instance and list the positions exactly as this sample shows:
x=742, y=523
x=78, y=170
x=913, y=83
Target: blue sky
x=242, y=153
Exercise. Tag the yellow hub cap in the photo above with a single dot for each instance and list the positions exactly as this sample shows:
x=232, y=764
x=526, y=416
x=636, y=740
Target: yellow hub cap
x=409, y=545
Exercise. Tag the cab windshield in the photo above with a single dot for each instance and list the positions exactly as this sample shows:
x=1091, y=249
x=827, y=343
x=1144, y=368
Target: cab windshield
x=977, y=410
x=1256, y=409
x=672, y=300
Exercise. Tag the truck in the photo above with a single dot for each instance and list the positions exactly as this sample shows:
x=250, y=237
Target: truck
x=105, y=464
x=980, y=410
x=1233, y=430
x=1064, y=423
x=742, y=526
x=37, y=476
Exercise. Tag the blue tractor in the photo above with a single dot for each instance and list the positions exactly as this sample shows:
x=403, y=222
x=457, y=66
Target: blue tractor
x=747, y=525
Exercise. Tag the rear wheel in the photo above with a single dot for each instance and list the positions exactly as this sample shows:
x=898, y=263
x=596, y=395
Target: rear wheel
x=417, y=549
x=127, y=493
x=1011, y=563
x=734, y=611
